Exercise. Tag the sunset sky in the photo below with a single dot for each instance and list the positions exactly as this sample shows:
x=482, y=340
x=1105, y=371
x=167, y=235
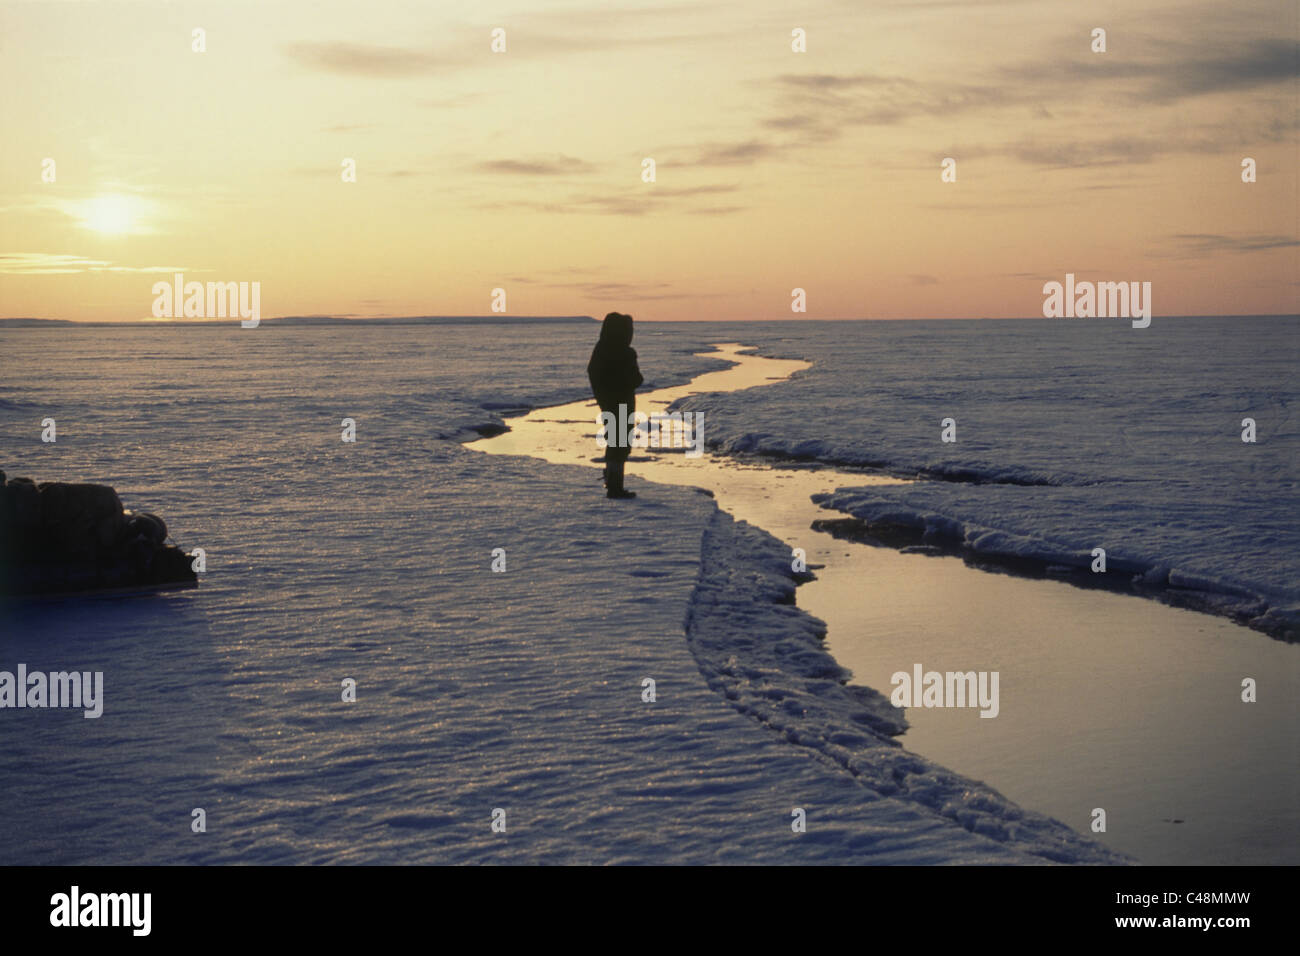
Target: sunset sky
x=522, y=169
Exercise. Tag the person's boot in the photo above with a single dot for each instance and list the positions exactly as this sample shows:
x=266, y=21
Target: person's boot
x=614, y=481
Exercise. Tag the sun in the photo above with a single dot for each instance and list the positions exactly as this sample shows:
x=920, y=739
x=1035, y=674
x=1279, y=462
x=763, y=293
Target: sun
x=111, y=215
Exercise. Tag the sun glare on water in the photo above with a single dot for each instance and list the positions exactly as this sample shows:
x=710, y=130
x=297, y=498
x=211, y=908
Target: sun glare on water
x=111, y=215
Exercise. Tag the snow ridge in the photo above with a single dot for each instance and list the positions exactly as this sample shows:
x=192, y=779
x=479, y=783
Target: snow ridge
x=766, y=657
x=1039, y=539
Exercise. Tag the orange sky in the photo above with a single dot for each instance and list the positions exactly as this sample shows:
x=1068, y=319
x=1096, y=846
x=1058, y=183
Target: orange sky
x=774, y=169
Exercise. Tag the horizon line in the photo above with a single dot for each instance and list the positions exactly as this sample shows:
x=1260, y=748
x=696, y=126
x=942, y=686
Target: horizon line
x=307, y=320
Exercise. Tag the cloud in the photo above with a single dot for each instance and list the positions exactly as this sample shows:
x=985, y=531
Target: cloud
x=1182, y=70
x=678, y=192
x=936, y=4
x=362, y=59
x=817, y=108
x=1262, y=63
x=1166, y=138
x=42, y=263
x=1195, y=244
x=558, y=166
x=39, y=263
x=796, y=121
x=585, y=280
x=832, y=81
x=826, y=102
x=1076, y=153
x=731, y=154
x=636, y=201
x=528, y=36
x=630, y=291
x=600, y=29
x=332, y=172
x=1051, y=274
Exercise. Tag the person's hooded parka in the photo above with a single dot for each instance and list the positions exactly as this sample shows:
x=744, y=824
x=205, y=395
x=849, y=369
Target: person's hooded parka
x=613, y=370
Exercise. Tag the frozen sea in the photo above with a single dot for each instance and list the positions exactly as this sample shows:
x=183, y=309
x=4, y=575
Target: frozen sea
x=1068, y=436
x=523, y=691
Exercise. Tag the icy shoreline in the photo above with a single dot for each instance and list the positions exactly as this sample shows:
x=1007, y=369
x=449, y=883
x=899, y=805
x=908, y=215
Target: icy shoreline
x=768, y=659
x=1190, y=491
x=941, y=513
x=884, y=520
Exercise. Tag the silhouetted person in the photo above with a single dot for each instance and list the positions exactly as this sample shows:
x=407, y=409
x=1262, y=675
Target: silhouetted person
x=614, y=379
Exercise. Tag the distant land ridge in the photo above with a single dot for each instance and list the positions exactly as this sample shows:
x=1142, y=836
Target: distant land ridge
x=326, y=320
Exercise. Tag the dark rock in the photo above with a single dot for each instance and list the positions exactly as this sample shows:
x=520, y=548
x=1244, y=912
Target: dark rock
x=60, y=537
x=147, y=526
x=22, y=503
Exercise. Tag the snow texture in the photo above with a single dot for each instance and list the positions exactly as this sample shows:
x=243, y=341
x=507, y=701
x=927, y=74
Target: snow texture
x=767, y=658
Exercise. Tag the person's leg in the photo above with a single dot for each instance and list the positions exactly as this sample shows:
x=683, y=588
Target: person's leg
x=611, y=448
x=615, y=459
